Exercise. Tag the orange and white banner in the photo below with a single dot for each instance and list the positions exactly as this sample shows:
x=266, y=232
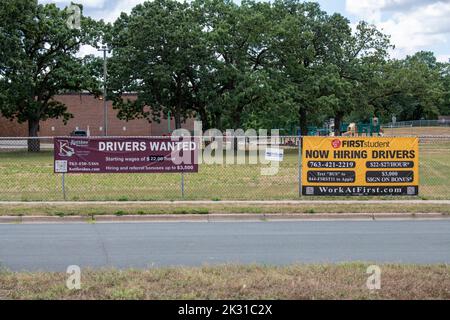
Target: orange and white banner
x=341, y=166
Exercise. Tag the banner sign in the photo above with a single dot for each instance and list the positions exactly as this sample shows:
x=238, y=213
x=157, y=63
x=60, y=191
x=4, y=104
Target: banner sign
x=273, y=154
x=351, y=166
x=125, y=155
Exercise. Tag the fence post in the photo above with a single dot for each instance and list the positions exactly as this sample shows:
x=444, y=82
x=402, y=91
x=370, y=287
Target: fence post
x=63, y=181
x=182, y=184
x=300, y=166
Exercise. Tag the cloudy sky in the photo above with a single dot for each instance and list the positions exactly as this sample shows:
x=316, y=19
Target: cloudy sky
x=413, y=24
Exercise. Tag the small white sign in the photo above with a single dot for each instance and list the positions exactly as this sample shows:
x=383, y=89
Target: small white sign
x=274, y=154
x=60, y=166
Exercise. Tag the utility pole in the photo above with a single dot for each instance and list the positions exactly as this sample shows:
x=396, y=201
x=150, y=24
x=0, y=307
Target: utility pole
x=105, y=49
x=168, y=122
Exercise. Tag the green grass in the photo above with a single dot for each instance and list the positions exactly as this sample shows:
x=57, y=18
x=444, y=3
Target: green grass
x=93, y=210
x=325, y=281
x=27, y=177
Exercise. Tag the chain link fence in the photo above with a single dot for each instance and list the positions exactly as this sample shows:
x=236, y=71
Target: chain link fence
x=418, y=123
x=417, y=128
x=28, y=176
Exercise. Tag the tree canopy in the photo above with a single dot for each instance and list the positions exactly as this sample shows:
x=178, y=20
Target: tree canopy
x=272, y=65
x=38, y=60
x=283, y=64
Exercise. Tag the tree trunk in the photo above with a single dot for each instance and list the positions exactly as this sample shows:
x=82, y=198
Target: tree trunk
x=217, y=121
x=236, y=124
x=34, y=145
x=303, y=121
x=337, y=124
x=204, y=119
x=177, y=117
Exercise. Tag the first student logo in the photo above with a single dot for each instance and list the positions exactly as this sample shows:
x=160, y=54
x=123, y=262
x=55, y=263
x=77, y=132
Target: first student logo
x=336, y=143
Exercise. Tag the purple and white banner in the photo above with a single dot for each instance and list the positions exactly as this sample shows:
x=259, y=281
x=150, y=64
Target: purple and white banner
x=125, y=155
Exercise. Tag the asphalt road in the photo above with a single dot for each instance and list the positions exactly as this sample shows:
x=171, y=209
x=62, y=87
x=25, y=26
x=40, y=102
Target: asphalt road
x=53, y=247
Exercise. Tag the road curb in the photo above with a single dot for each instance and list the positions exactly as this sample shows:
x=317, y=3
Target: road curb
x=150, y=218
x=218, y=217
x=53, y=219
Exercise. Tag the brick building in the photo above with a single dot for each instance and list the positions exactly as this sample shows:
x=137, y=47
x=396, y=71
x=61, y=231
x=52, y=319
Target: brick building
x=88, y=115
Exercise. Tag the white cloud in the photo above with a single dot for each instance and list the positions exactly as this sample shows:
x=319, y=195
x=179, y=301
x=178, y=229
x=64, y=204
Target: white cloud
x=443, y=58
x=121, y=6
x=87, y=50
x=109, y=11
x=85, y=3
x=413, y=24
x=365, y=9
x=371, y=10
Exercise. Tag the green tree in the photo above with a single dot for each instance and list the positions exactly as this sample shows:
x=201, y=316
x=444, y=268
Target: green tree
x=38, y=60
x=361, y=58
x=444, y=108
x=411, y=88
x=159, y=53
x=239, y=36
x=299, y=41
x=259, y=64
